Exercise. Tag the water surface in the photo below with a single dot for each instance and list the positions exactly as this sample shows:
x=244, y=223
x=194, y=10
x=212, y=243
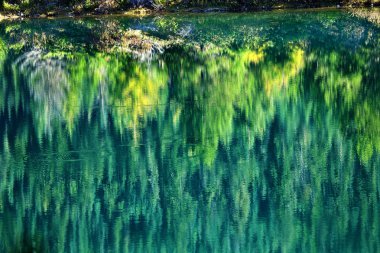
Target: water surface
x=191, y=133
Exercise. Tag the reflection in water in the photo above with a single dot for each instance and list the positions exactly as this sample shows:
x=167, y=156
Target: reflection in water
x=240, y=144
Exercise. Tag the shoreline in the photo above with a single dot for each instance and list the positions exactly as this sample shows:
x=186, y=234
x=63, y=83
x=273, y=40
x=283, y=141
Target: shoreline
x=141, y=12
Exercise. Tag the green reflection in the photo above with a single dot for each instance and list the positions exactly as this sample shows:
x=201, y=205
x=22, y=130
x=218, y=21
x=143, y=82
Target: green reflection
x=262, y=138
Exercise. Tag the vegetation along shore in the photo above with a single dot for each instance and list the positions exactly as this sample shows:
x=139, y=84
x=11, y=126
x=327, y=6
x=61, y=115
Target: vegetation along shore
x=11, y=9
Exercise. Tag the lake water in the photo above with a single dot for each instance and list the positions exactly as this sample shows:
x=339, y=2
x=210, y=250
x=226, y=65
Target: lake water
x=191, y=133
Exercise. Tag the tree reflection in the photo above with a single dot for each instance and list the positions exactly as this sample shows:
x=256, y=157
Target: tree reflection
x=271, y=146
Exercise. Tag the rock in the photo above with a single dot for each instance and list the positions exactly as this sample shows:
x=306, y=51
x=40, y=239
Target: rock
x=100, y=10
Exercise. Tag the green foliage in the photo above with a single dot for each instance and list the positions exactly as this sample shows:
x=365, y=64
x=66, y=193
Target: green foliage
x=82, y=6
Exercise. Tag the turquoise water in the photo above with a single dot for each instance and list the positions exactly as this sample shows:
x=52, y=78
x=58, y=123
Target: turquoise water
x=191, y=133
